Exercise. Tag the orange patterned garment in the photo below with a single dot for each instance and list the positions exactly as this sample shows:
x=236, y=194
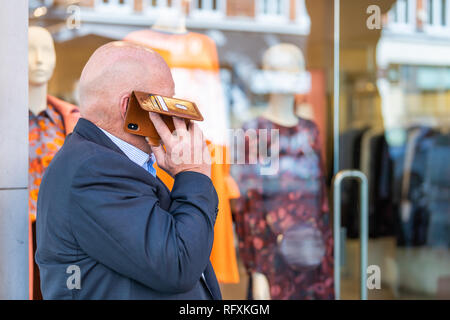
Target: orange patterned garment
x=46, y=136
x=47, y=132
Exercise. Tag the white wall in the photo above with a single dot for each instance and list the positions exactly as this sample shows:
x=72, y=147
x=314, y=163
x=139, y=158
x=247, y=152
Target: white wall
x=13, y=149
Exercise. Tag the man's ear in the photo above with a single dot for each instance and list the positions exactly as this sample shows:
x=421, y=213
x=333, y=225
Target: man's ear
x=124, y=104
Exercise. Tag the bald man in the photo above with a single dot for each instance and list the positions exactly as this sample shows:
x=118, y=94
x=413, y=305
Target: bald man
x=107, y=227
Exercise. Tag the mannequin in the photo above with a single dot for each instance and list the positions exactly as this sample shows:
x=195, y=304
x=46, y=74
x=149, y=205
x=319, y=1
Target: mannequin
x=41, y=63
x=281, y=110
x=50, y=120
x=283, y=58
x=194, y=63
x=62, y=115
x=282, y=220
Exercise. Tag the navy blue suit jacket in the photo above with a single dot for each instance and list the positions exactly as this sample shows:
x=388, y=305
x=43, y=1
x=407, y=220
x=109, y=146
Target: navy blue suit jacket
x=129, y=237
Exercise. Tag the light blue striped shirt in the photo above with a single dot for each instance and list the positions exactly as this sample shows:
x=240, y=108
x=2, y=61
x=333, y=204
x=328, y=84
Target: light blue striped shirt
x=136, y=155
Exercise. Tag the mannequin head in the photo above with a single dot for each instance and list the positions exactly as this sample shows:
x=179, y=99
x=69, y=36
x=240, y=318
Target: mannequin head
x=284, y=64
x=41, y=56
x=284, y=57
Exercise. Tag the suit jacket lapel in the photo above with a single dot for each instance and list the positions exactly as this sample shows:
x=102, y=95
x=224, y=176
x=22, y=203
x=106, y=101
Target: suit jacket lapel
x=91, y=132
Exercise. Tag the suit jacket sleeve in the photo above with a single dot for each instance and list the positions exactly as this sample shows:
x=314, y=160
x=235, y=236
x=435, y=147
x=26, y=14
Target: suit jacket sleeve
x=117, y=220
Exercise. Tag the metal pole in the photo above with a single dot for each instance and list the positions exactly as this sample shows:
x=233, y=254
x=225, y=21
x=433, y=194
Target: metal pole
x=363, y=230
x=14, y=150
x=336, y=76
x=337, y=234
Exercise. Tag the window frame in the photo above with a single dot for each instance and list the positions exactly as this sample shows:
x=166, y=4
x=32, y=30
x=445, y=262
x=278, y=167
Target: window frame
x=411, y=14
x=270, y=17
x=113, y=6
x=208, y=13
x=436, y=28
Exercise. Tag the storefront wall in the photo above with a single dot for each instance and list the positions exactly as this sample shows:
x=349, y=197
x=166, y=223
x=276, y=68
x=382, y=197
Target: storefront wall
x=14, y=150
x=391, y=129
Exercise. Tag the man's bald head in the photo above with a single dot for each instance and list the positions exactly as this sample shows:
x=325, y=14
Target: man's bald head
x=112, y=72
x=116, y=69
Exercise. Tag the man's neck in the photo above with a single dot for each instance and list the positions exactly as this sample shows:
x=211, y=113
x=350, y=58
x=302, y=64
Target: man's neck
x=136, y=141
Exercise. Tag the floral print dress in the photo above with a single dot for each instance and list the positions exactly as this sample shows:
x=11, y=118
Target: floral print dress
x=271, y=204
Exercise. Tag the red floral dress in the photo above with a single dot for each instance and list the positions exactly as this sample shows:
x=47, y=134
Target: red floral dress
x=46, y=136
x=271, y=204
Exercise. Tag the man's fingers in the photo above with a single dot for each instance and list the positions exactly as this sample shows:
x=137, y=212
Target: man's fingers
x=196, y=131
x=159, y=153
x=161, y=127
x=180, y=125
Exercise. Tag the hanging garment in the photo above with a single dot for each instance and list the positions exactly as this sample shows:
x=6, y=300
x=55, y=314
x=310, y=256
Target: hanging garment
x=376, y=165
x=350, y=144
x=47, y=132
x=272, y=206
x=436, y=189
x=194, y=63
x=382, y=177
x=413, y=215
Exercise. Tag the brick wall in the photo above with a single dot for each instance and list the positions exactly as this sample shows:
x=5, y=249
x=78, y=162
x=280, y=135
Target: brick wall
x=241, y=8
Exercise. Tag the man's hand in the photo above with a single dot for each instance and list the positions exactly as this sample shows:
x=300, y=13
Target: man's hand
x=186, y=148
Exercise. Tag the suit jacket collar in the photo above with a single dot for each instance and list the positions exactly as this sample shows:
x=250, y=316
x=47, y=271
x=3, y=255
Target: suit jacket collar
x=91, y=132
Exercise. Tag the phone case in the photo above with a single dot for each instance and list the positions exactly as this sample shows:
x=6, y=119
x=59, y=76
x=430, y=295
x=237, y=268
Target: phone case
x=137, y=120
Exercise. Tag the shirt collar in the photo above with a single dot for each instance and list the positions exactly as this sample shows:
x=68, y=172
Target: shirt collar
x=49, y=112
x=52, y=113
x=134, y=154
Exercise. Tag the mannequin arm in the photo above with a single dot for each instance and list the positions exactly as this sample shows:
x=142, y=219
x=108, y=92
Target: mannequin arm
x=261, y=288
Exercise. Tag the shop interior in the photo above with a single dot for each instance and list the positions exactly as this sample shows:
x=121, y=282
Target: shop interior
x=272, y=65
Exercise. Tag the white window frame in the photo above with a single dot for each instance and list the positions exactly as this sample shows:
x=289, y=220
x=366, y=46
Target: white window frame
x=271, y=17
x=161, y=7
x=301, y=15
x=113, y=6
x=208, y=12
x=401, y=26
x=436, y=28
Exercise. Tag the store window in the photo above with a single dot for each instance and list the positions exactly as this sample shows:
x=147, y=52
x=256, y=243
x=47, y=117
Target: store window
x=268, y=64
